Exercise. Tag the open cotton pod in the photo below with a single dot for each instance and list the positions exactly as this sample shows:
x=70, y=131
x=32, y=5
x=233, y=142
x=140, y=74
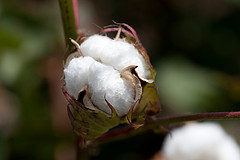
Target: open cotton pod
x=108, y=82
x=200, y=141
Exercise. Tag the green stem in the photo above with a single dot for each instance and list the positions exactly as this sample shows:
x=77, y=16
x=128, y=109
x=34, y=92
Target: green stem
x=70, y=20
x=129, y=131
x=69, y=14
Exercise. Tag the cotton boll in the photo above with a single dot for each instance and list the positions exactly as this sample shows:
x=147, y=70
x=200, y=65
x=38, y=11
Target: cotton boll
x=117, y=53
x=198, y=141
x=76, y=74
x=228, y=150
x=105, y=82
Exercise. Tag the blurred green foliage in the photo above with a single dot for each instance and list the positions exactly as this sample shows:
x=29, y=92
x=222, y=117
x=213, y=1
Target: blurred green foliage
x=194, y=45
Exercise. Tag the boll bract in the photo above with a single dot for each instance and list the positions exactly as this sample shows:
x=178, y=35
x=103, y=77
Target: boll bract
x=108, y=82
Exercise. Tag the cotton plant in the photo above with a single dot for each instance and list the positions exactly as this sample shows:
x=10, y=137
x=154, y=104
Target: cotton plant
x=109, y=81
x=200, y=141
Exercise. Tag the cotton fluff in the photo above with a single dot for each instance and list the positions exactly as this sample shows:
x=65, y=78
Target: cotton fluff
x=76, y=74
x=117, y=53
x=105, y=83
x=99, y=68
x=200, y=141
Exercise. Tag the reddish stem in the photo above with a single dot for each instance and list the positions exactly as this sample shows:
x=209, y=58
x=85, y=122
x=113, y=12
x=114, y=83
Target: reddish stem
x=130, y=131
x=75, y=12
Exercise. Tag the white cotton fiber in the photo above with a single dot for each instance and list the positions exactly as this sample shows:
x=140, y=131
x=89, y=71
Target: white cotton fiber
x=94, y=46
x=200, y=141
x=105, y=82
x=99, y=68
x=76, y=74
x=117, y=53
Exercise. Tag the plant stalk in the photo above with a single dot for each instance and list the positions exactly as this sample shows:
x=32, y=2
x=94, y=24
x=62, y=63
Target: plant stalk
x=70, y=20
x=69, y=14
x=152, y=124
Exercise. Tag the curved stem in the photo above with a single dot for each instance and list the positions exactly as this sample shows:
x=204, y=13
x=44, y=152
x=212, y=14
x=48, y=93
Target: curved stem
x=129, y=131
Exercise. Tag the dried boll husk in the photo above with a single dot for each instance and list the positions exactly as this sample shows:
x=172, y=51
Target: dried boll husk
x=92, y=110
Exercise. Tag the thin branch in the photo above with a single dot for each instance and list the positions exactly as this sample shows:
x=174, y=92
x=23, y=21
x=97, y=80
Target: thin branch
x=195, y=117
x=129, y=131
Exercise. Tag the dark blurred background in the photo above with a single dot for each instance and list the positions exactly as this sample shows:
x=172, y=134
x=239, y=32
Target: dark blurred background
x=193, y=45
